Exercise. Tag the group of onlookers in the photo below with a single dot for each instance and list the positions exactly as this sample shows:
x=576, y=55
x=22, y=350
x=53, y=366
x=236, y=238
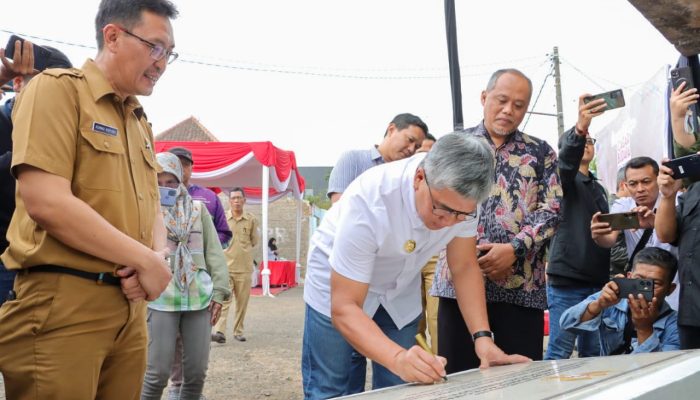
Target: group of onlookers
x=539, y=244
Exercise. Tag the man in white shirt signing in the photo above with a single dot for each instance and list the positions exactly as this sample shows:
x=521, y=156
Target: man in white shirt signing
x=362, y=287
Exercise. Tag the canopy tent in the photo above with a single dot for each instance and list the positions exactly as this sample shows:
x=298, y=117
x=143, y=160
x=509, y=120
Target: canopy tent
x=266, y=173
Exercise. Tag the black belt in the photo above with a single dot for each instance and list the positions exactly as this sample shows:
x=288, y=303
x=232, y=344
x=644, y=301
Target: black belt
x=99, y=278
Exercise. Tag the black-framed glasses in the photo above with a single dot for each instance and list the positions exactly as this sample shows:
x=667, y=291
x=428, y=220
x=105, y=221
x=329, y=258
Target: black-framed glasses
x=591, y=141
x=158, y=52
x=448, y=212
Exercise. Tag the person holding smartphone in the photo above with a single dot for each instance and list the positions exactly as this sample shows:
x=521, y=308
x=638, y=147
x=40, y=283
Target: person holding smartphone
x=631, y=325
x=677, y=220
x=191, y=304
x=574, y=272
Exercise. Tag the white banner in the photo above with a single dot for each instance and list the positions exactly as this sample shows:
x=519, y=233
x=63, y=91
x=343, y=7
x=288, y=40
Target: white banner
x=640, y=129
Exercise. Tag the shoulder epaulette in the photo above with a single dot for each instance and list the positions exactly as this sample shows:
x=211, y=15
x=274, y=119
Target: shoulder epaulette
x=58, y=72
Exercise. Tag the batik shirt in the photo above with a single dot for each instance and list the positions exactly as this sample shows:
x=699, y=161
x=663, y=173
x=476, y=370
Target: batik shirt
x=523, y=206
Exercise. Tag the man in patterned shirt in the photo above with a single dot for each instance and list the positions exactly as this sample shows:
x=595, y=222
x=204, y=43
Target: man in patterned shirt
x=515, y=224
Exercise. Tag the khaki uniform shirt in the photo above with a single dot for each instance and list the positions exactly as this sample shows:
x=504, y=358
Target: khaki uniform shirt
x=239, y=254
x=70, y=123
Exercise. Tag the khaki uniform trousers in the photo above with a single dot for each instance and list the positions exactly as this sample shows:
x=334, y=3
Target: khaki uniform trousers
x=240, y=284
x=430, y=306
x=65, y=337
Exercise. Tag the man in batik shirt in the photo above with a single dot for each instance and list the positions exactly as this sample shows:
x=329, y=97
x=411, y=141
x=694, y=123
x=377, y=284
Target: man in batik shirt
x=515, y=225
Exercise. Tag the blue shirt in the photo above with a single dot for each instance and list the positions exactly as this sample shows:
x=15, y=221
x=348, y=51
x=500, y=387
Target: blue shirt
x=610, y=323
x=350, y=165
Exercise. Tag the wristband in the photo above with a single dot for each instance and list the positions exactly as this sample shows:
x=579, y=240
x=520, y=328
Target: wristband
x=479, y=334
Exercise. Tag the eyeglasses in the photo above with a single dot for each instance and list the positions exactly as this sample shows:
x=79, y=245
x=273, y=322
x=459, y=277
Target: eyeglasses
x=591, y=141
x=158, y=52
x=447, y=212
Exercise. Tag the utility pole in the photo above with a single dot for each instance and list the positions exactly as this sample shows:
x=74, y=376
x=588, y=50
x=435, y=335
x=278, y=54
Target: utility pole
x=557, y=87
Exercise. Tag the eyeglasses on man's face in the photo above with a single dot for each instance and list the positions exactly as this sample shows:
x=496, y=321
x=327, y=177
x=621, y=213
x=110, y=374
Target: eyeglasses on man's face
x=590, y=141
x=158, y=52
x=448, y=212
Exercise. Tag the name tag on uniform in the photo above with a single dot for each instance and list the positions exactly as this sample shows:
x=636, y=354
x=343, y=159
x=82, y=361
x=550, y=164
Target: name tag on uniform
x=106, y=129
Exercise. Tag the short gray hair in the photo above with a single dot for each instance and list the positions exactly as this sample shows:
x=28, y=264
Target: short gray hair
x=620, y=177
x=462, y=163
x=494, y=78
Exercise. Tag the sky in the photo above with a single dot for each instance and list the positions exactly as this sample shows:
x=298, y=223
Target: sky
x=319, y=77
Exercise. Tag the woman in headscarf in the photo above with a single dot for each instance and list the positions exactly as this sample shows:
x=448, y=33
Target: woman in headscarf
x=191, y=303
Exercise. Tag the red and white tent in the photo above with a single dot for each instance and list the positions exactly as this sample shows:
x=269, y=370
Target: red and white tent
x=266, y=172
x=229, y=164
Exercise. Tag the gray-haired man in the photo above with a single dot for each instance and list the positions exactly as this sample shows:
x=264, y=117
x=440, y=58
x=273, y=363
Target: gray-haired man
x=365, y=261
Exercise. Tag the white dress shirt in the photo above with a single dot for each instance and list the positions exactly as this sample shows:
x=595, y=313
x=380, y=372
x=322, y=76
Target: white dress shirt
x=364, y=237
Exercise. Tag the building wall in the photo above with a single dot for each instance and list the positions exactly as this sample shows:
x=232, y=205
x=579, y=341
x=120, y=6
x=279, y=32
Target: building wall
x=282, y=226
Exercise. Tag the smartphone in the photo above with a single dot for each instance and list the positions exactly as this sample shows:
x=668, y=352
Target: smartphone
x=621, y=221
x=685, y=167
x=680, y=75
x=634, y=286
x=613, y=99
x=167, y=196
x=41, y=55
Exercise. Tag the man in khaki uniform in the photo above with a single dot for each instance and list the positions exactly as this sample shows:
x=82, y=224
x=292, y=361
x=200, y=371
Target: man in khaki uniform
x=87, y=236
x=239, y=257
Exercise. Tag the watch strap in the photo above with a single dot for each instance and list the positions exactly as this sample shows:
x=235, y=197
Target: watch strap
x=479, y=334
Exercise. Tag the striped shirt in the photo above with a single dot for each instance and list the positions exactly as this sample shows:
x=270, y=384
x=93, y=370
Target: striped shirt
x=350, y=165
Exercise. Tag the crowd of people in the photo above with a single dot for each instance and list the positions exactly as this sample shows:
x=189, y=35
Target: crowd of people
x=524, y=238
x=112, y=289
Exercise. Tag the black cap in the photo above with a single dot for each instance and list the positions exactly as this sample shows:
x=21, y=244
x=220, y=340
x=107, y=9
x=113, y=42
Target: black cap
x=57, y=59
x=181, y=152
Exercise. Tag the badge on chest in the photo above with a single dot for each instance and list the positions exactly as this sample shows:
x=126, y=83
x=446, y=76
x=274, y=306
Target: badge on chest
x=409, y=246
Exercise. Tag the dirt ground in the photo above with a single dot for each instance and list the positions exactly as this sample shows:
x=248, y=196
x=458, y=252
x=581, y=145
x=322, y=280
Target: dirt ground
x=268, y=364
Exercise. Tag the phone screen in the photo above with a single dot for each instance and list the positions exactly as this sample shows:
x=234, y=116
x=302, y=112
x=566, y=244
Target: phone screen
x=613, y=99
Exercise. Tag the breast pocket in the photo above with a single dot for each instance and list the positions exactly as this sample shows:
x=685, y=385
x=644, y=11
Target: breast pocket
x=102, y=162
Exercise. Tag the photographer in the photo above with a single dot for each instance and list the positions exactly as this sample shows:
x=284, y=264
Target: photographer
x=631, y=325
x=677, y=223
x=576, y=272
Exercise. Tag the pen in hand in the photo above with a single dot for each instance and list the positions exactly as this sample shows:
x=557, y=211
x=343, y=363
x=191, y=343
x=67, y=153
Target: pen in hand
x=424, y=346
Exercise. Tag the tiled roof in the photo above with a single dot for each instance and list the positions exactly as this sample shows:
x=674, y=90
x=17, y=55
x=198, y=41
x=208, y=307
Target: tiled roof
x=188, y=130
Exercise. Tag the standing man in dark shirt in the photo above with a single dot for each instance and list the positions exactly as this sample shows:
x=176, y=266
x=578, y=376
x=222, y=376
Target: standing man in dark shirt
x=679, y=224
x=206, y=196
x=577, y=266
x=19, y=71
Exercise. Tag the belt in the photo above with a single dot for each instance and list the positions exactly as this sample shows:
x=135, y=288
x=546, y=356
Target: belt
x=99, y=278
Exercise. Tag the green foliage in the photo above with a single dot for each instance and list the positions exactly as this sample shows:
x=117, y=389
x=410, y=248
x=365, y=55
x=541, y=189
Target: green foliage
x=319, y=201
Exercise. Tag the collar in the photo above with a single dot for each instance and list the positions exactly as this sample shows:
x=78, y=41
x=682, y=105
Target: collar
x=375, y=155
x=515, y=136
x=408, y=194
x=100, y=87
x=590, y=177
x=229, y=215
